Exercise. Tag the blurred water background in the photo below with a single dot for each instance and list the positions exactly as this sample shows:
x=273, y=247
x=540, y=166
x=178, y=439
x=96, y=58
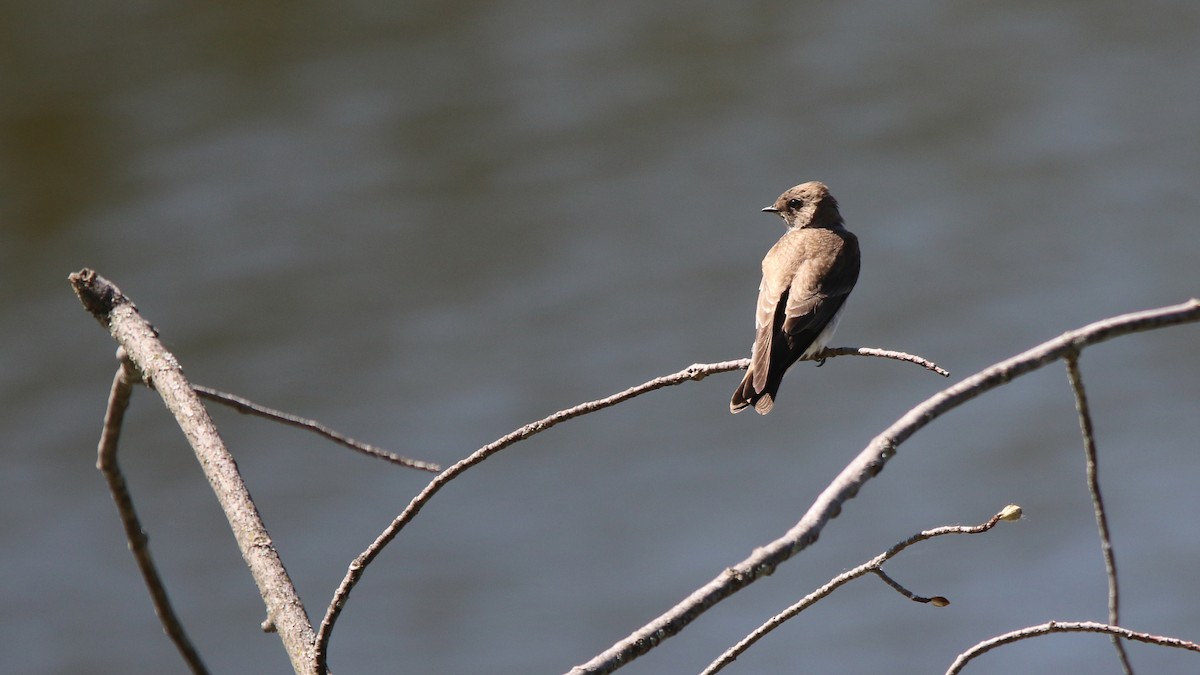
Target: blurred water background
x=427, y=224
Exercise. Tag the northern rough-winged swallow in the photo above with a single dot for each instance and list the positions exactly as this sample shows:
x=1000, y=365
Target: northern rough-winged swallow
x=807, y=276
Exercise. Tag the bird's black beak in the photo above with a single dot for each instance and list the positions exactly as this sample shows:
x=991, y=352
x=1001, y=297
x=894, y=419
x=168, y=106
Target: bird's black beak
x=770, y=209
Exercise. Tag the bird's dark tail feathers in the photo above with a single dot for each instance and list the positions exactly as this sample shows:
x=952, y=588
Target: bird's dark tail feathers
x=745, y=395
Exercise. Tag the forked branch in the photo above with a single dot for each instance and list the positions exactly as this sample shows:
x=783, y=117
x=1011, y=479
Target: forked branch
x=693, y=373
x=159, y=369
x=308, y=650
x=1011, y=512
x=866, y=466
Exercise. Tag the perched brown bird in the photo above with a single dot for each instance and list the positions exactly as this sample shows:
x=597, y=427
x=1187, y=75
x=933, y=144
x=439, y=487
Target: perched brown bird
x=807, y=276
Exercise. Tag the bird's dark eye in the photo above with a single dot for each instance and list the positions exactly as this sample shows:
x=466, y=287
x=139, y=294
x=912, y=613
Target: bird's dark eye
x=795, y=204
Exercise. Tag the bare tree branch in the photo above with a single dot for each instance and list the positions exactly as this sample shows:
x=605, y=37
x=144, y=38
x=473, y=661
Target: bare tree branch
x=695, y=372
x=358, y=566
x=307, y=650
x=936, y=601
x=829, y=352
x=875, y=566
x=1093, y=481
x=139, y=544
x=1065, y=627
x=866, y=466
x=160, y=369
x=248, y=407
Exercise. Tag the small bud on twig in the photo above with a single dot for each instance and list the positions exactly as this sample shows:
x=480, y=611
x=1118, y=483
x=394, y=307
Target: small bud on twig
x=1012, y=513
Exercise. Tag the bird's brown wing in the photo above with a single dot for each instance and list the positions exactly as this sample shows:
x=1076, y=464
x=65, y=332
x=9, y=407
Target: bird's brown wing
x=818, y=291
x=772, y=293
x=806, y=279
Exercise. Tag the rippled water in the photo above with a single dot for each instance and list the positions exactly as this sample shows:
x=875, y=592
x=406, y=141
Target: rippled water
x=427, y=226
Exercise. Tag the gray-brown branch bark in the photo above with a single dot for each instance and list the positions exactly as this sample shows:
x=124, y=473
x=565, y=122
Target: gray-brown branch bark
x=161, y=371
x=866, y=466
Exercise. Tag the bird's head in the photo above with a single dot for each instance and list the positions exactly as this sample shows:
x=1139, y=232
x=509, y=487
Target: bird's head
x=807, y=205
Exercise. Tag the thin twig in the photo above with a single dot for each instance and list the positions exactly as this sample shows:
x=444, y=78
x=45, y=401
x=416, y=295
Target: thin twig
x=161, y=370
x=866, y=466
x=882, y=353
x=695, y=372
x=139, y=543
x=1093, y=481
x=246, y=406
x=872, y=566
x=1065, y=627
x=936, y=601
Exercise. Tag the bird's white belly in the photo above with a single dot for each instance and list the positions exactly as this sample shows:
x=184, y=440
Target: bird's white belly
x=826, y=334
